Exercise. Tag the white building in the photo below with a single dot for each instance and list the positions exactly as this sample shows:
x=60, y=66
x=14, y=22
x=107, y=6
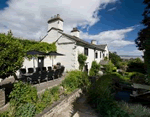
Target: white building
x=70, y=45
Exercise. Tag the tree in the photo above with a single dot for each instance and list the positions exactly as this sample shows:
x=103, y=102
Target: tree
x=136, y=65
x=11, y=57
x=143, y=40
x=115, y=59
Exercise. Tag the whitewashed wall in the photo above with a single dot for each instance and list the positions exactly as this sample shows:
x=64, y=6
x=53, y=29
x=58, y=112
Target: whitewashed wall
x=106, y=52
x=52, y=36
x=90, y=57
x=68, y=49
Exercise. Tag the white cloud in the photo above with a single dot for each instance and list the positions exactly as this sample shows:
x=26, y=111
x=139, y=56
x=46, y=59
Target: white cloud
x=114, y=38
x=28, y=18
x=112, y=9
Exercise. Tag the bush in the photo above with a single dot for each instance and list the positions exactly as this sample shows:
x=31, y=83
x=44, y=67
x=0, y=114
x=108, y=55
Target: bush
x=109, y=67
x=138, y=78
x=26, y=110
x=135, y=110
x=94, y=69
x=22, y=97
x=100, y=96
x=136, y=65
x=11, y=57
x=75, y=79
x=4, y=114
x=55, y=92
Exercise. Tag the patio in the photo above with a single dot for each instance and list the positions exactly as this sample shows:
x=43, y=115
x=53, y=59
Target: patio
x=41, y=74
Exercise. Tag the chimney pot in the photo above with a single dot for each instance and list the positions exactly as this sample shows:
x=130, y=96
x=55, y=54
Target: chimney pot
x=75, y=32
x=94, y=42
x=58, y=15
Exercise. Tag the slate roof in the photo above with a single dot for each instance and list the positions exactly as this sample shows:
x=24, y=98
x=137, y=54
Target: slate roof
x=82, y=42
x=102, y=46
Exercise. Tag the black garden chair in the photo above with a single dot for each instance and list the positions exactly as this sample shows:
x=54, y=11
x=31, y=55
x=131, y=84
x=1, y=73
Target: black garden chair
x=30, y=70
x=34, y=78
x=50, y=74
x=61, y=71
x=21, y=75
x=56, y=73
x=43, y=74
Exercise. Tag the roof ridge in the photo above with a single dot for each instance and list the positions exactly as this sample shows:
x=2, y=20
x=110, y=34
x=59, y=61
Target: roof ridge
x=82, y=41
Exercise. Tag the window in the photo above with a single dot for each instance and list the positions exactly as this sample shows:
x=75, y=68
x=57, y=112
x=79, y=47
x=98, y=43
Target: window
x=100, y=54
x=86, y=51
x=103, y=55
x=96, y=55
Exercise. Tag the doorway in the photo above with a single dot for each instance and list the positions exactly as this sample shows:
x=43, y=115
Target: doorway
x=40, y=62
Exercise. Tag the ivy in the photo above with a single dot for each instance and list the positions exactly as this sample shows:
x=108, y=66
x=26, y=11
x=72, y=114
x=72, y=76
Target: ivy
x=81, y=59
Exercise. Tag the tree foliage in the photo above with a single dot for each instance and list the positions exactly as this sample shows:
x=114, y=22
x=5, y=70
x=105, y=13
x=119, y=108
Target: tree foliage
x=115, y=59
x=11, y=57
x=136, y=65
x=143, y=40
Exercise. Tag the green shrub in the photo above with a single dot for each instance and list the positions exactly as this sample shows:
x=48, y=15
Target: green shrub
x=22, y=95
x=46, y=97
x=109, y=67
x=71, y=81
x=100, y=95
x=136, y=65
x=135, y=110
x=75, y=79
x=81, y=59
x=4, y=114
x=40, y=105
x=94, y=69
x=55, y=93
x=26, y=110
x=138, y=78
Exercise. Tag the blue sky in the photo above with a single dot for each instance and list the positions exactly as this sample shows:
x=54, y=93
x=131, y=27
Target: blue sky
x=115, y=22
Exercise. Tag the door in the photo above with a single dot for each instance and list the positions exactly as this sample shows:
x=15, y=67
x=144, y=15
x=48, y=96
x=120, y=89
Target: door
x=41, y=62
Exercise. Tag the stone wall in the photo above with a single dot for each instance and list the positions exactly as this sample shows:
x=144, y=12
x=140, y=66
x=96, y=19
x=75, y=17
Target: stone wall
x=2, y=97
x=60, y=105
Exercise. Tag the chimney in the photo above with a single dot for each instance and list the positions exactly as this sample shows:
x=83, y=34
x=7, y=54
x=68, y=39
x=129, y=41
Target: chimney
x=94, y=42
x=55, y=22
x=75, y=32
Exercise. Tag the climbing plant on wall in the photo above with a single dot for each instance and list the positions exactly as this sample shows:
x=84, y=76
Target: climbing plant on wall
x=81, y=59
x=13, y=50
